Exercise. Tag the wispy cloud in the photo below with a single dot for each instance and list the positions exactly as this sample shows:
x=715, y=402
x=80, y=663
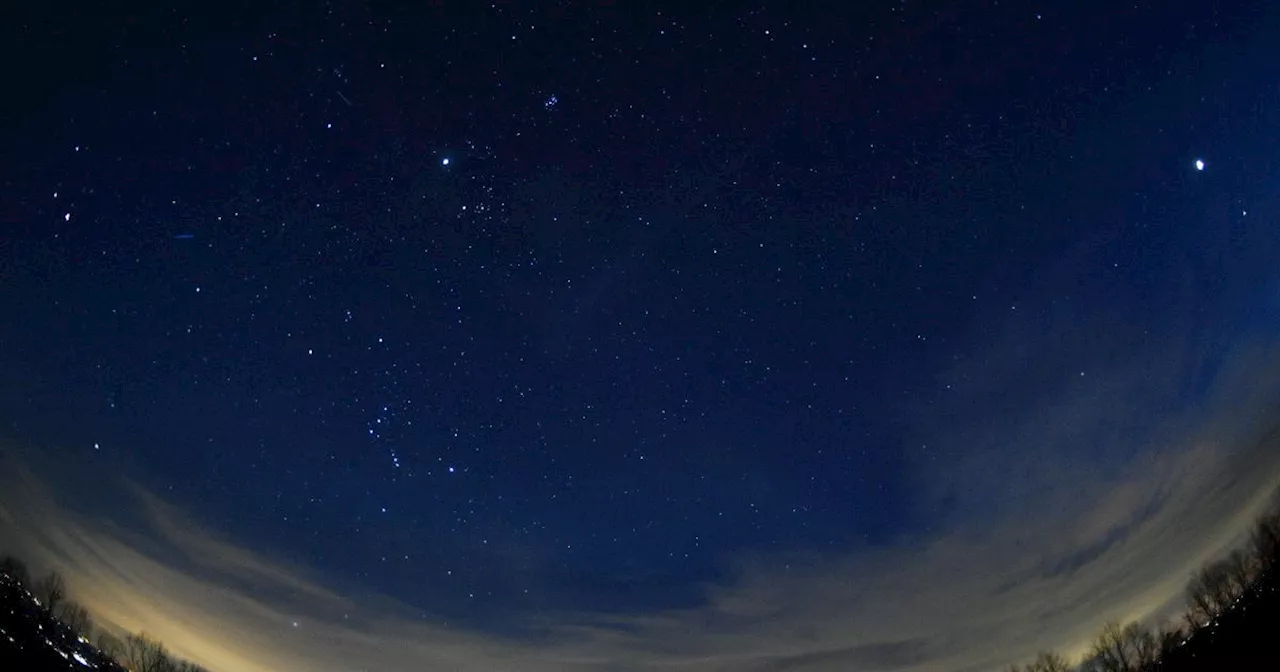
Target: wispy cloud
x=1049, y=501
x=966, y=598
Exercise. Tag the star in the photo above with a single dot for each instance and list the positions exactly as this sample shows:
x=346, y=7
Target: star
x=536, y=325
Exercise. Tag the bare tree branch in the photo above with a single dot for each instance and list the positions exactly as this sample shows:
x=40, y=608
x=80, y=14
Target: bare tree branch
x=109, y=644
x=75, y=617
x=50, y=591
x=1209, y=593
x=1264, y=543
x=144, y=654
x=1131, y=648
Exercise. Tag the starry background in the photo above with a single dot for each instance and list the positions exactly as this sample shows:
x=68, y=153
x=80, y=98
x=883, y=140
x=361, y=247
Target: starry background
x=510, y=308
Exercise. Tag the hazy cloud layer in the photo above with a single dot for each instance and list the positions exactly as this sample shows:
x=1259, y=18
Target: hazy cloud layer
x=1085, y=548
x=1074, y=467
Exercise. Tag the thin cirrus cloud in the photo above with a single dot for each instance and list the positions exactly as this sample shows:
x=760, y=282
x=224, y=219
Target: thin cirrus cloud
x=965, y=598
x=1045, y=503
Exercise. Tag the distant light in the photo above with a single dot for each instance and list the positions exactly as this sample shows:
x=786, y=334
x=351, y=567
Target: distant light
x=444, y=161
x=1199, y=164
x=66, y=217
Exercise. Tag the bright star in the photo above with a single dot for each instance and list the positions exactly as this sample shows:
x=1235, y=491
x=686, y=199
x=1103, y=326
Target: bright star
x=444, y=161
x=1199, y=164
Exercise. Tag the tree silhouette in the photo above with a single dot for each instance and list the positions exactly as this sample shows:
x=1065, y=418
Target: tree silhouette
x=1209, y=593
x=1264, y=543
x=1169, y=637
x=16, y=569
x=141, y=653
x=1144, y=644
x=109, y=644
x=50, y=591
x=1130, y=648
x=1046, y=661
x=1240, y=568
x=75, y=617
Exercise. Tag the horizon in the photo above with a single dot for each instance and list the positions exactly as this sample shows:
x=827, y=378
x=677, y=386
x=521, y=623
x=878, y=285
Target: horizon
x=607, y=338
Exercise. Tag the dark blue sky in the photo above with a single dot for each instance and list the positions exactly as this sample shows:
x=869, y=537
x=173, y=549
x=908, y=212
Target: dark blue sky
x=499, y=310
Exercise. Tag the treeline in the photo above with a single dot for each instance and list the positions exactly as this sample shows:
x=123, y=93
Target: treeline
x=137, y=652
x=1215, y=627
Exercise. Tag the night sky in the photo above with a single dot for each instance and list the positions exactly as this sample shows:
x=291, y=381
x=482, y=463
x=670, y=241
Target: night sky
x=635, y=336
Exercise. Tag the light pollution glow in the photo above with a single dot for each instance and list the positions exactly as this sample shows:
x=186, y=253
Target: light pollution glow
x=1066, y=509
